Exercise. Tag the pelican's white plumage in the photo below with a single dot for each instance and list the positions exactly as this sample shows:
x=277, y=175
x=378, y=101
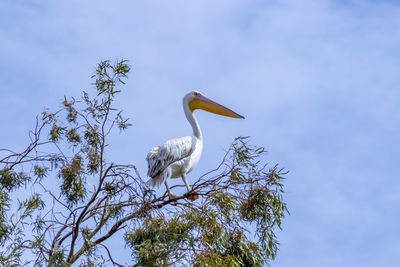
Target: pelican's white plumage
x=177, y=157
x=174, y=158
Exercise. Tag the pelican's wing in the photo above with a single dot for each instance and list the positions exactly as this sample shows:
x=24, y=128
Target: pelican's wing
x=160, y=157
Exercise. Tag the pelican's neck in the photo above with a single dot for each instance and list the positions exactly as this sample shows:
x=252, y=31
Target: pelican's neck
x=193, y=122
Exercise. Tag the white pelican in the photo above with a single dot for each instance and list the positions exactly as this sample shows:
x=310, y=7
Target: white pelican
x=177, y=157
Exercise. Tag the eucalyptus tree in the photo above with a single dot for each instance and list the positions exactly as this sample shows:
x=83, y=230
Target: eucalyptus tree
x=63, y=196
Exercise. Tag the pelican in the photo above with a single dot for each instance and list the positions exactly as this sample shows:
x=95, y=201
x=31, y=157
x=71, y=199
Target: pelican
x=177, y=157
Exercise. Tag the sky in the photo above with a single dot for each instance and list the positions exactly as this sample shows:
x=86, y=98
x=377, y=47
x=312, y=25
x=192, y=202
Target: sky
x=318, y=83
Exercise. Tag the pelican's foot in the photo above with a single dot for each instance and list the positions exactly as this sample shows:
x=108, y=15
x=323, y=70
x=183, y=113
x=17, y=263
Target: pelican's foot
x=172, y=196
x=192, y=196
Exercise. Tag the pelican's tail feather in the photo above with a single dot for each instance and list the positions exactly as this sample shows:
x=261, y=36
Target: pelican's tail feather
x=156, y=181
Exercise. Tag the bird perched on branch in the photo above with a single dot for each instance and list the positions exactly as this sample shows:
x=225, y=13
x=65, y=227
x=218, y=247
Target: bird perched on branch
x=177, y=157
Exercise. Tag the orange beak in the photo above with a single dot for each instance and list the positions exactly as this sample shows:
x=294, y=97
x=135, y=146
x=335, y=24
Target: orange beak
x=202, y=102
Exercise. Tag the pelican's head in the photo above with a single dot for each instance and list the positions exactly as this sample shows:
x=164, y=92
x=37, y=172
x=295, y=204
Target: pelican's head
x=196, y=100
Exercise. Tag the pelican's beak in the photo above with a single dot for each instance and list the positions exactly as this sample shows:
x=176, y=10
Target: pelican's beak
x=202, y=102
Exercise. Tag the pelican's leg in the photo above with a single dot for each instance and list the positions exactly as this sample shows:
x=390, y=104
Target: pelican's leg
x=193, y=195
x=186, y=183
x=171, y=196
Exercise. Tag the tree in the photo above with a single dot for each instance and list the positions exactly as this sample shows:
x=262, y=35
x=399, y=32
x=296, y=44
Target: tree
x=43, y=222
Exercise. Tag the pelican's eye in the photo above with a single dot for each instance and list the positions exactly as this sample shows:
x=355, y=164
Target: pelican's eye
x=196, y=93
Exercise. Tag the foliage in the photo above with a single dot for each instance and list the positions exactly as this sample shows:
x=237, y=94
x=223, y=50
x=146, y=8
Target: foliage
x=63, y=197
x=241, y=199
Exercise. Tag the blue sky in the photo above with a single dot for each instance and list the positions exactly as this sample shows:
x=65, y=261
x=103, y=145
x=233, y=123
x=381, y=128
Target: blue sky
x=318, y=82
